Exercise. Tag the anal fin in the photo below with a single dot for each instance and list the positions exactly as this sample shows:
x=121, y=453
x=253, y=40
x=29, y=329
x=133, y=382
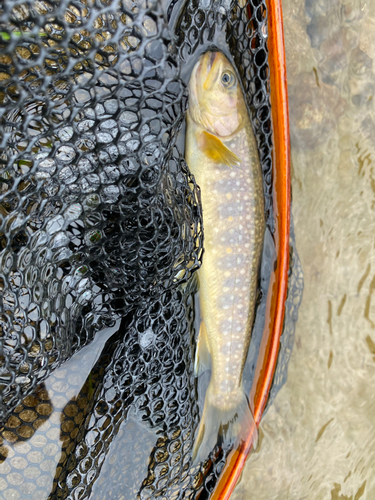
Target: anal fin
x=202, y=354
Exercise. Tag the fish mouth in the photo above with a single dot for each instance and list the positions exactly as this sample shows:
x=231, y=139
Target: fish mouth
x=208, y=62
x=211, y=60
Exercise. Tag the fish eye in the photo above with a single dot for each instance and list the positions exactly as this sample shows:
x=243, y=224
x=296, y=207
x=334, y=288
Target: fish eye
x=228, y=79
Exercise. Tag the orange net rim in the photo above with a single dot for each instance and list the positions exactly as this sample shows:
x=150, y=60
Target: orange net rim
x=277, y=293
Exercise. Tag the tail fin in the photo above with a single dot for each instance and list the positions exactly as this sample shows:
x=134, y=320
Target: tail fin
x=229, y=426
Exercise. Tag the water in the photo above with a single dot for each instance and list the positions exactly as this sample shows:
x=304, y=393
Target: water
x=317, y=439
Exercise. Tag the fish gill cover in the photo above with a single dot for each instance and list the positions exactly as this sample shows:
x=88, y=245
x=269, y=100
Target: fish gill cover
x=101, y=222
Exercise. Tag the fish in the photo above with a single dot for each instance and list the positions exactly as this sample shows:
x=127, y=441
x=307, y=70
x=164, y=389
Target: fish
x=221, y=152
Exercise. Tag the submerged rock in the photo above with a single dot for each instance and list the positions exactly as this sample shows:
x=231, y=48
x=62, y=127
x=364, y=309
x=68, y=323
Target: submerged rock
x=361, y=78
x=314, y=109
x=335, y=56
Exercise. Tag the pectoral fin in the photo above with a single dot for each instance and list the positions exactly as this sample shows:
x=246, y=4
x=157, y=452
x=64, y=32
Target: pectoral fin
x=216, y=150
x=202, y=355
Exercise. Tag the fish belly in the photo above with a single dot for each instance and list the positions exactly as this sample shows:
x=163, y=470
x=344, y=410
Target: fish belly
x=233, y=221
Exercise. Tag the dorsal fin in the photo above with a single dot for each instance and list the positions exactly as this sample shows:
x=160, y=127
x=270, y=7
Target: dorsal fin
x=216, y=150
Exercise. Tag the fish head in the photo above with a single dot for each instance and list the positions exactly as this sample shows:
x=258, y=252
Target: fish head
x=216, y=102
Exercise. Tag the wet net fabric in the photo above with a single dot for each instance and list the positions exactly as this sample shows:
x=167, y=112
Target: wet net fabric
x=98, y=210
x=101, y=223
x=292, y=304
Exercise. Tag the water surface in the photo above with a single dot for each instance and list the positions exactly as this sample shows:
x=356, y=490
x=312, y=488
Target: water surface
x=318, y=437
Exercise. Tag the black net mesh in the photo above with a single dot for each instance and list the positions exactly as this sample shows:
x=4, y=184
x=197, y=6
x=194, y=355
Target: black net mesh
x=292, y=303
x=98, y=209
x=101, y=228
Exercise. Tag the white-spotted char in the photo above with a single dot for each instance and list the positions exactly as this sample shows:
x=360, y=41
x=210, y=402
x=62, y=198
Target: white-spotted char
x=222, y=154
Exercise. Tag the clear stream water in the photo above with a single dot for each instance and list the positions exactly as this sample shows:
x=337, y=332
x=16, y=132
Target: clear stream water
x=318, y=437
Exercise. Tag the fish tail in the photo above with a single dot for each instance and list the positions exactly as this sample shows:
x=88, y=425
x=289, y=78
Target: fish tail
x=229, y=427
